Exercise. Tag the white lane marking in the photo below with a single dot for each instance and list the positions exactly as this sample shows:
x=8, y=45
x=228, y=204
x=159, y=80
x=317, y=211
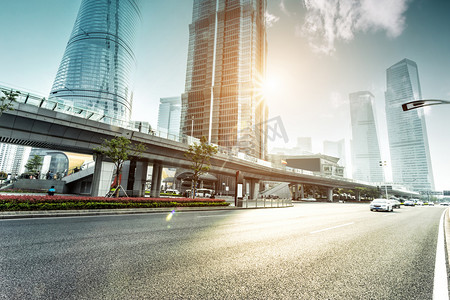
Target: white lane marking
x=440, y=285
x=212, y=216
x=334, y=227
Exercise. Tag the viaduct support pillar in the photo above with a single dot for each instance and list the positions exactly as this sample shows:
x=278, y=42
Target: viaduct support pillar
x=254, y=189
x=358, y=195
x=302, y=191
x=295, y=193
x=140, y=178
x=156, y=180
x=103, y=173
x=330, y=194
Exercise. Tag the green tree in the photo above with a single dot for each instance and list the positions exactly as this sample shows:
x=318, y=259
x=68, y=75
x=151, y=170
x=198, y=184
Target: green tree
x=199, y=155
x=34, y=164
x=3, y=176
x=119, y=150
x=6, y=101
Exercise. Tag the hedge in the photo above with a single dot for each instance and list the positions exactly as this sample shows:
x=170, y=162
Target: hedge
x=35, y=202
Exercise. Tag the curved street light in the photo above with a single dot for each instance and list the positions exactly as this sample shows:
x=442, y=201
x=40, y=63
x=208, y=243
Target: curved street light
x=421, y=103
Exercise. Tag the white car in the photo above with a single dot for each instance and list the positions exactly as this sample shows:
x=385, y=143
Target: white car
x=395, y=203
x=409, y=203
x=381, y=205
x=172, y=191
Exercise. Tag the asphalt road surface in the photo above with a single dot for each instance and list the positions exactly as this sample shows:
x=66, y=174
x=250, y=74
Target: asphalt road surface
x=310, y=251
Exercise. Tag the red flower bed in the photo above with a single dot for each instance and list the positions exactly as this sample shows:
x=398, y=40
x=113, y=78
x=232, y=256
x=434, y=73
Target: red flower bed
x=62, y=199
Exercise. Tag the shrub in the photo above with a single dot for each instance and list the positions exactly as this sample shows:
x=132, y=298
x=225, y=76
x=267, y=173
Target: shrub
x=37, y=202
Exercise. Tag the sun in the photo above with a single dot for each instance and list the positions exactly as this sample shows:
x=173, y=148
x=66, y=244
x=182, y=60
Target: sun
x=267, y=87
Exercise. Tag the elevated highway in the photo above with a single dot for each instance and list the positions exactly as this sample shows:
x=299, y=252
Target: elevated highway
x=42, y=123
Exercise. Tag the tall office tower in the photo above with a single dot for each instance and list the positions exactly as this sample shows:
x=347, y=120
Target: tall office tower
x=13, y=158
x=225, y=70
x=96, y=71
x=408, y=140
x=365, y=148
x=169, y=116
x=336, y=149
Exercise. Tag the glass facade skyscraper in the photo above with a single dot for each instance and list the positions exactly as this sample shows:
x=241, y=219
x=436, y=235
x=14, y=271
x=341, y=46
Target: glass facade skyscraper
x=365, y=147
x=96, y=71
x=408, y=140
x=169, y=115
x=226, y=67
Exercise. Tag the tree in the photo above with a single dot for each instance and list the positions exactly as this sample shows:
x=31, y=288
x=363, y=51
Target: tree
x=119, y=150
x=34, y=164
x=6, y=102
x=3, y=176
x=199, y=155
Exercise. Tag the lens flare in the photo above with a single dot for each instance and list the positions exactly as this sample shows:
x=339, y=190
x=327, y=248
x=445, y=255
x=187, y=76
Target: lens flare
x=170, y=215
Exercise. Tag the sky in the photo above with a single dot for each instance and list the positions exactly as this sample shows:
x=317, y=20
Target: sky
x=319, y=51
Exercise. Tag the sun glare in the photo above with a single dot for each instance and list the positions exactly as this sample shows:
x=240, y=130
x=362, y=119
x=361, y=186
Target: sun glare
x=268, y=87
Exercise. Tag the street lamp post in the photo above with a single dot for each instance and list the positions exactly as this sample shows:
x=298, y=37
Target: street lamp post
x=421, y=103
x=383, y=164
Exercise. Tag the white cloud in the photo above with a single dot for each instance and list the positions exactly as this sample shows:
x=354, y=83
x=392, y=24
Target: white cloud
x=271, y=19
x=283, y=8
x=328, y=21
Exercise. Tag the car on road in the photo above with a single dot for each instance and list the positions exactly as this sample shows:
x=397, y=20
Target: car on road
x=431, y=204
x=309, y=199
x=409, y=203
x=381, y=205
x=172, y=191
x=395, y=203
x=420, y=203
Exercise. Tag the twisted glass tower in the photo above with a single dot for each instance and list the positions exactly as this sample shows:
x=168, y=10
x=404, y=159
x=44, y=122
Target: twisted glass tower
x=408, y=141
x=96, y=71
x=226, y=66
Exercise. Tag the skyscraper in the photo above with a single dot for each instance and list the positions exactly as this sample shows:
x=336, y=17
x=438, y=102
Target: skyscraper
x=337, y=149
x=225, y=70
x=365, y=148
x=408, y=140
x=13, y=158
x=97, y=68
x=169, y=115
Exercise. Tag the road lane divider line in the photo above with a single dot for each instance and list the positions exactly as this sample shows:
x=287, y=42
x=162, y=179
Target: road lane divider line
x=440, y=285
x=334, y=227
x=213, y=216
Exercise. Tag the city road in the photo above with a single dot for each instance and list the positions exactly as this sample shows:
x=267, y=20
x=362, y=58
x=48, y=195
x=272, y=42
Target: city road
x=309, y=251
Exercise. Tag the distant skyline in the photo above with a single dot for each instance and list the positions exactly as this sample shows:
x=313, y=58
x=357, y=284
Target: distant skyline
x=317, y=56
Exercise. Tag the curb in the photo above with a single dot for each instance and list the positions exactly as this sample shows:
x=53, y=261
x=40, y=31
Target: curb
x=102, y=212
x=7, y=215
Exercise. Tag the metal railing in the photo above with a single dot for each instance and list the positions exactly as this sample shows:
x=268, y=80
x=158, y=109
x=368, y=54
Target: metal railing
x=264, y=202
